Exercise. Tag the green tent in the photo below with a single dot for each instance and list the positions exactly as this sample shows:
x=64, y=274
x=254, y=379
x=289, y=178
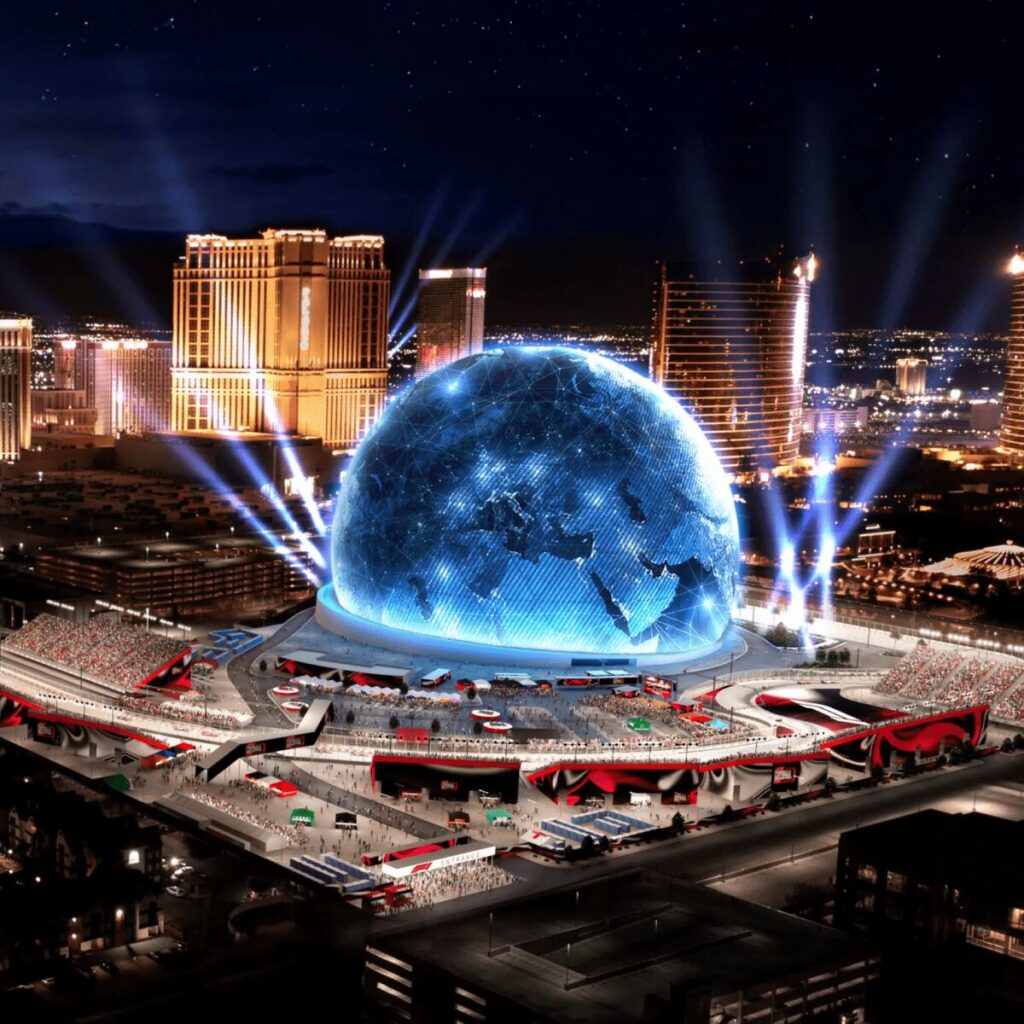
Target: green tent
x=118, y=783
x=496, y=814
x=639, y=725
x=302, y=816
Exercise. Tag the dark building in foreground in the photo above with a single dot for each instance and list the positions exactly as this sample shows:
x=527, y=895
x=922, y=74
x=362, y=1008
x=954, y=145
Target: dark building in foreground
x=943, y=896
x=642, y=947
x=934, y=878
x=730, y=343
x=85, y=876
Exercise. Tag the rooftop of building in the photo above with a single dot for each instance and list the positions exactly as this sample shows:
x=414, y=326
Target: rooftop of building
x=943, y=845
x=625, y=938
x=1002, y=561
x=446, y=273
x=76, y=507
x=13, y=321
x=767, y=269
x=274, y=234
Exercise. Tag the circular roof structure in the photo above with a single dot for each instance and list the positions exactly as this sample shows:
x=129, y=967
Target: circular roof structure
x=543, y=499
x=1002, y=561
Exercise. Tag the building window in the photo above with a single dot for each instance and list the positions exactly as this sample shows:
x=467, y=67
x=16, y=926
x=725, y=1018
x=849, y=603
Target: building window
x=865, y=901
x=895, y=882
x=867, y=873
x=1017, y=917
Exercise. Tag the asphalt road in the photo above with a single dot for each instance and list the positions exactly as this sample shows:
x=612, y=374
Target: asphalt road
x=254, y=689
x=378, y=811
x=698, y=857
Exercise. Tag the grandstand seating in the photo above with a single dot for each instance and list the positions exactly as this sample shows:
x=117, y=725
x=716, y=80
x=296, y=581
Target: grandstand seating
x=953, y=678
x=117, y=654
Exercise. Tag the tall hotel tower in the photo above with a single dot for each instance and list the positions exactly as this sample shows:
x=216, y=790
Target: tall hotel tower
x=450, y=322
x=285, y=333
x=1011, y=433
x=731, y=346
x=912, y=377
x=15, y=385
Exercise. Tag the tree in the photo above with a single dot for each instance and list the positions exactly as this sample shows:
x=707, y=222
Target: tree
x=728, y=814
x=478, y=727
x=678, y=822
x=435, y=726
x=774, y=803
x=877, y=772
x=604, y=844
x=470, y=692
x=587, y=846
x=833, y=659
x=819, y=656
x=350, y=716
x=1007, y=745
x=393, y=722
x=830, y=786
x=844, y=656
x=1018, y=741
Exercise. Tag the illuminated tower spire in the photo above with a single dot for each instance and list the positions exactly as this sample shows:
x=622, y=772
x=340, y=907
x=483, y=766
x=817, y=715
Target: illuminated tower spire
x=1011, y=434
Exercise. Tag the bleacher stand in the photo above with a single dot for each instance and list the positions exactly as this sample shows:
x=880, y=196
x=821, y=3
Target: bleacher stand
x=119, y=655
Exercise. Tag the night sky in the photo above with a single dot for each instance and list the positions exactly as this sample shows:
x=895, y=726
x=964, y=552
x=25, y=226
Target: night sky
x=565, y=144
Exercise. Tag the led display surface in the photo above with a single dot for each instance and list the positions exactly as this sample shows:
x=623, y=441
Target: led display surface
x=541, y=498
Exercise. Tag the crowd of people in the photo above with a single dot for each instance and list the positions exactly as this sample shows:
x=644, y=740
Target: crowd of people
x=459, y=880
x=1010, y=704
x=979, y=681
x=952, y=678
x=297, y=835
x=115, y=653
x=917, y=674
x=181, y=712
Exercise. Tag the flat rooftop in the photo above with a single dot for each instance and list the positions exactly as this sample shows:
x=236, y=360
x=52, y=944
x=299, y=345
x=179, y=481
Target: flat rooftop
x=621, y=940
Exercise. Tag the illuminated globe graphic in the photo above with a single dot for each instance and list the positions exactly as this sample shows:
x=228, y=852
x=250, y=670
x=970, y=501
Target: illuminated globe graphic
x=539, y=498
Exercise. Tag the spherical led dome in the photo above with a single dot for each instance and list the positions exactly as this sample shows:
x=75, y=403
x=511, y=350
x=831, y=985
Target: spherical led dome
x=539, y=498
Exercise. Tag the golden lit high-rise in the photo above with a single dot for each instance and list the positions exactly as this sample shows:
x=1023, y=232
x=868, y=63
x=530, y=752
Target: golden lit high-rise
x=1011, y=433
x=731, y=346
x=450, y=320
x=15, y=385
x=285, y=333
x=912, y=377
